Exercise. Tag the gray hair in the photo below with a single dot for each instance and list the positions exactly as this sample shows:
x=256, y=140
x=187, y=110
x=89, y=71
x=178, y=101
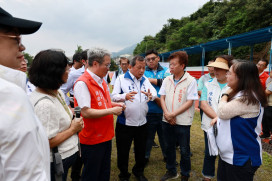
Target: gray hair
x=97, y=54
x=137, y=57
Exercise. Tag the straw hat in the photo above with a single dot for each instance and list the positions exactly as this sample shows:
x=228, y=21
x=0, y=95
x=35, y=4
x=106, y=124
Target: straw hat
x=220, y=63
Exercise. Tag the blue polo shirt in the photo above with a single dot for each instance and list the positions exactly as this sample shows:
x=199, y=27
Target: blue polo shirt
x=159, y=74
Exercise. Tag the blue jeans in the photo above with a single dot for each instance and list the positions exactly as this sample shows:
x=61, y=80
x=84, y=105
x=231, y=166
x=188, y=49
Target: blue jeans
x=172, y=134
x=209, y=161
x=154, y=124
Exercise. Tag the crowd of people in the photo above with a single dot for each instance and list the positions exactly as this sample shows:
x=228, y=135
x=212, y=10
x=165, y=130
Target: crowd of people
x=62, y=117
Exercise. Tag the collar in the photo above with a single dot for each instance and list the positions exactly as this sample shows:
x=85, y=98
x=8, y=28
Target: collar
x=95, y=77
x=261, y=73
x=159, y=68
x=130, y=76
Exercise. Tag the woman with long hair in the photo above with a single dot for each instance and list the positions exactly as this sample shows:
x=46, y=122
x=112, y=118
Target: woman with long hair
x=240, y=113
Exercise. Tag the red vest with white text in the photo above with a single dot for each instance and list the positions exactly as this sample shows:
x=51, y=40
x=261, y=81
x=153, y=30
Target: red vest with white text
x=96, y=130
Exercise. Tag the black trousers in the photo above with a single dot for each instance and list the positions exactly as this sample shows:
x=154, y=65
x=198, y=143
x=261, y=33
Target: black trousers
x=97, y=161
x=228, y=172
x=124, y=137
x=267, y=121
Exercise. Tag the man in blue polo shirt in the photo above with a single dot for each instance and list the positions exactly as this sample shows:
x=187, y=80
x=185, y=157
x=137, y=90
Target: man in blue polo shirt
x=155, y=73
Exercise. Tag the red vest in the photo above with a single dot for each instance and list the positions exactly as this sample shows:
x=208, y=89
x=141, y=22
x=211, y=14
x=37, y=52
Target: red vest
x=263, y=78
x=96, y=130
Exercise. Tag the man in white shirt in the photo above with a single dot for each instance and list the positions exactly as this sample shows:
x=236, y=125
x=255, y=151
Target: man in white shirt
x=124, y=63
x=77, y=63
x=72, y=77
x=135, y=90
x=97, y=110
x=24, y=152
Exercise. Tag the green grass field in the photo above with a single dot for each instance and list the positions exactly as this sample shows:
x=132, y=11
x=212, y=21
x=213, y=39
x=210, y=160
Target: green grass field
x=156, y=167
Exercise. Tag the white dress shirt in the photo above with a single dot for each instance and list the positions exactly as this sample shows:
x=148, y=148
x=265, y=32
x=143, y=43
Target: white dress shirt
x=82, y=93
x=24, y=146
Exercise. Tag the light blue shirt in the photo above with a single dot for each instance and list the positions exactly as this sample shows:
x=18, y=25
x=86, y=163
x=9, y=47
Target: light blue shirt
x=73, y=76
x=204, y=91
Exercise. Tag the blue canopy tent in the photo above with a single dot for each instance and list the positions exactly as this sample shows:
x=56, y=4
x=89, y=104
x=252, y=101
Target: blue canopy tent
x=246, y=39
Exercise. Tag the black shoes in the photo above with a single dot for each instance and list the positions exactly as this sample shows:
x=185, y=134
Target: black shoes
x=168, y=176
x=124, y=177
x=264, y=136
x=141, y=178
x=184, y=178
x=155, y=145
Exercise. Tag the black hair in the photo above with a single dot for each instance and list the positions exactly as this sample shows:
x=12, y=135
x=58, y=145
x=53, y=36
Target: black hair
x=123, y=58
x=264, y=60
x=84, y=55
x=77, y=57
x=47, y=69
x=151, y=51
x=248, y=82
x=136, y=58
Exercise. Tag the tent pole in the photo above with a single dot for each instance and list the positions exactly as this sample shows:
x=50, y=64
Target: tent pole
x=230, y=46
x=251, y=52
x=270, y=56
x=203, y=60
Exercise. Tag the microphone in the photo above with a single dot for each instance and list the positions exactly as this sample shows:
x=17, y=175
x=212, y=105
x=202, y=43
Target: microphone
x=77, y=111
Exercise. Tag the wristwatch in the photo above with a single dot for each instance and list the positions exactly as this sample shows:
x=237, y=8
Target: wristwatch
x=224, y=94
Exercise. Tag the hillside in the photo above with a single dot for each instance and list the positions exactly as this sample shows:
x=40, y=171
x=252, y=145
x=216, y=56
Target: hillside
x=127, y=50
x=215, y=20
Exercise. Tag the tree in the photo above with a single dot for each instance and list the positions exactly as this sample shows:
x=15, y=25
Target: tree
x=113, y=66
x=79, y=49
x=28, y=57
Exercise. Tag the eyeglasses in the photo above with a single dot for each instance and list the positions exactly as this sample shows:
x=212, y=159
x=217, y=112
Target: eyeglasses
x=108, y=66
x=151, y=58
x=17, y=38
x=260, y=65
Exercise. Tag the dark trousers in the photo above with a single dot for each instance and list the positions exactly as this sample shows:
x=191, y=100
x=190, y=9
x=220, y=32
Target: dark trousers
x=267, y=121
x=97, y=161
x=154, y=124
x=172, y=134
x=67, y=163
x=228, y=172
x=209, y=161
x=124, y=137
x=76, y=169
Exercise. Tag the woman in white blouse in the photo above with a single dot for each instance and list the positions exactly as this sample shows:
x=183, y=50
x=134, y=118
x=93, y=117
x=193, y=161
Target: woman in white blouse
x=240, y=113
x=48, y=72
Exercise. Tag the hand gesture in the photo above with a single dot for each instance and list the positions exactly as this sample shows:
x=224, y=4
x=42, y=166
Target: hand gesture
x=214, y=120
x=77, y=124
x=148, y=95
x=130, y=96
x=121, y=104
x=117, y=110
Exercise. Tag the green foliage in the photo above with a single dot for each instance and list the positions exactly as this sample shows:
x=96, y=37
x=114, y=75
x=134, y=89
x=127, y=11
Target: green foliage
x=113, y=66
x=79, y=49
x=215, y=20
x=28, y=57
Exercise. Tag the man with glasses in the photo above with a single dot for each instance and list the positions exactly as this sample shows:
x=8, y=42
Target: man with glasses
x=262, y=65
x=124, y=63
x=24, y=145
x=93, y=97
x=155, y=74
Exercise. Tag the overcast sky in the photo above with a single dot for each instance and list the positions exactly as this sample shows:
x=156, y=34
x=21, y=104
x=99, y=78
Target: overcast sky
x=109, y=24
